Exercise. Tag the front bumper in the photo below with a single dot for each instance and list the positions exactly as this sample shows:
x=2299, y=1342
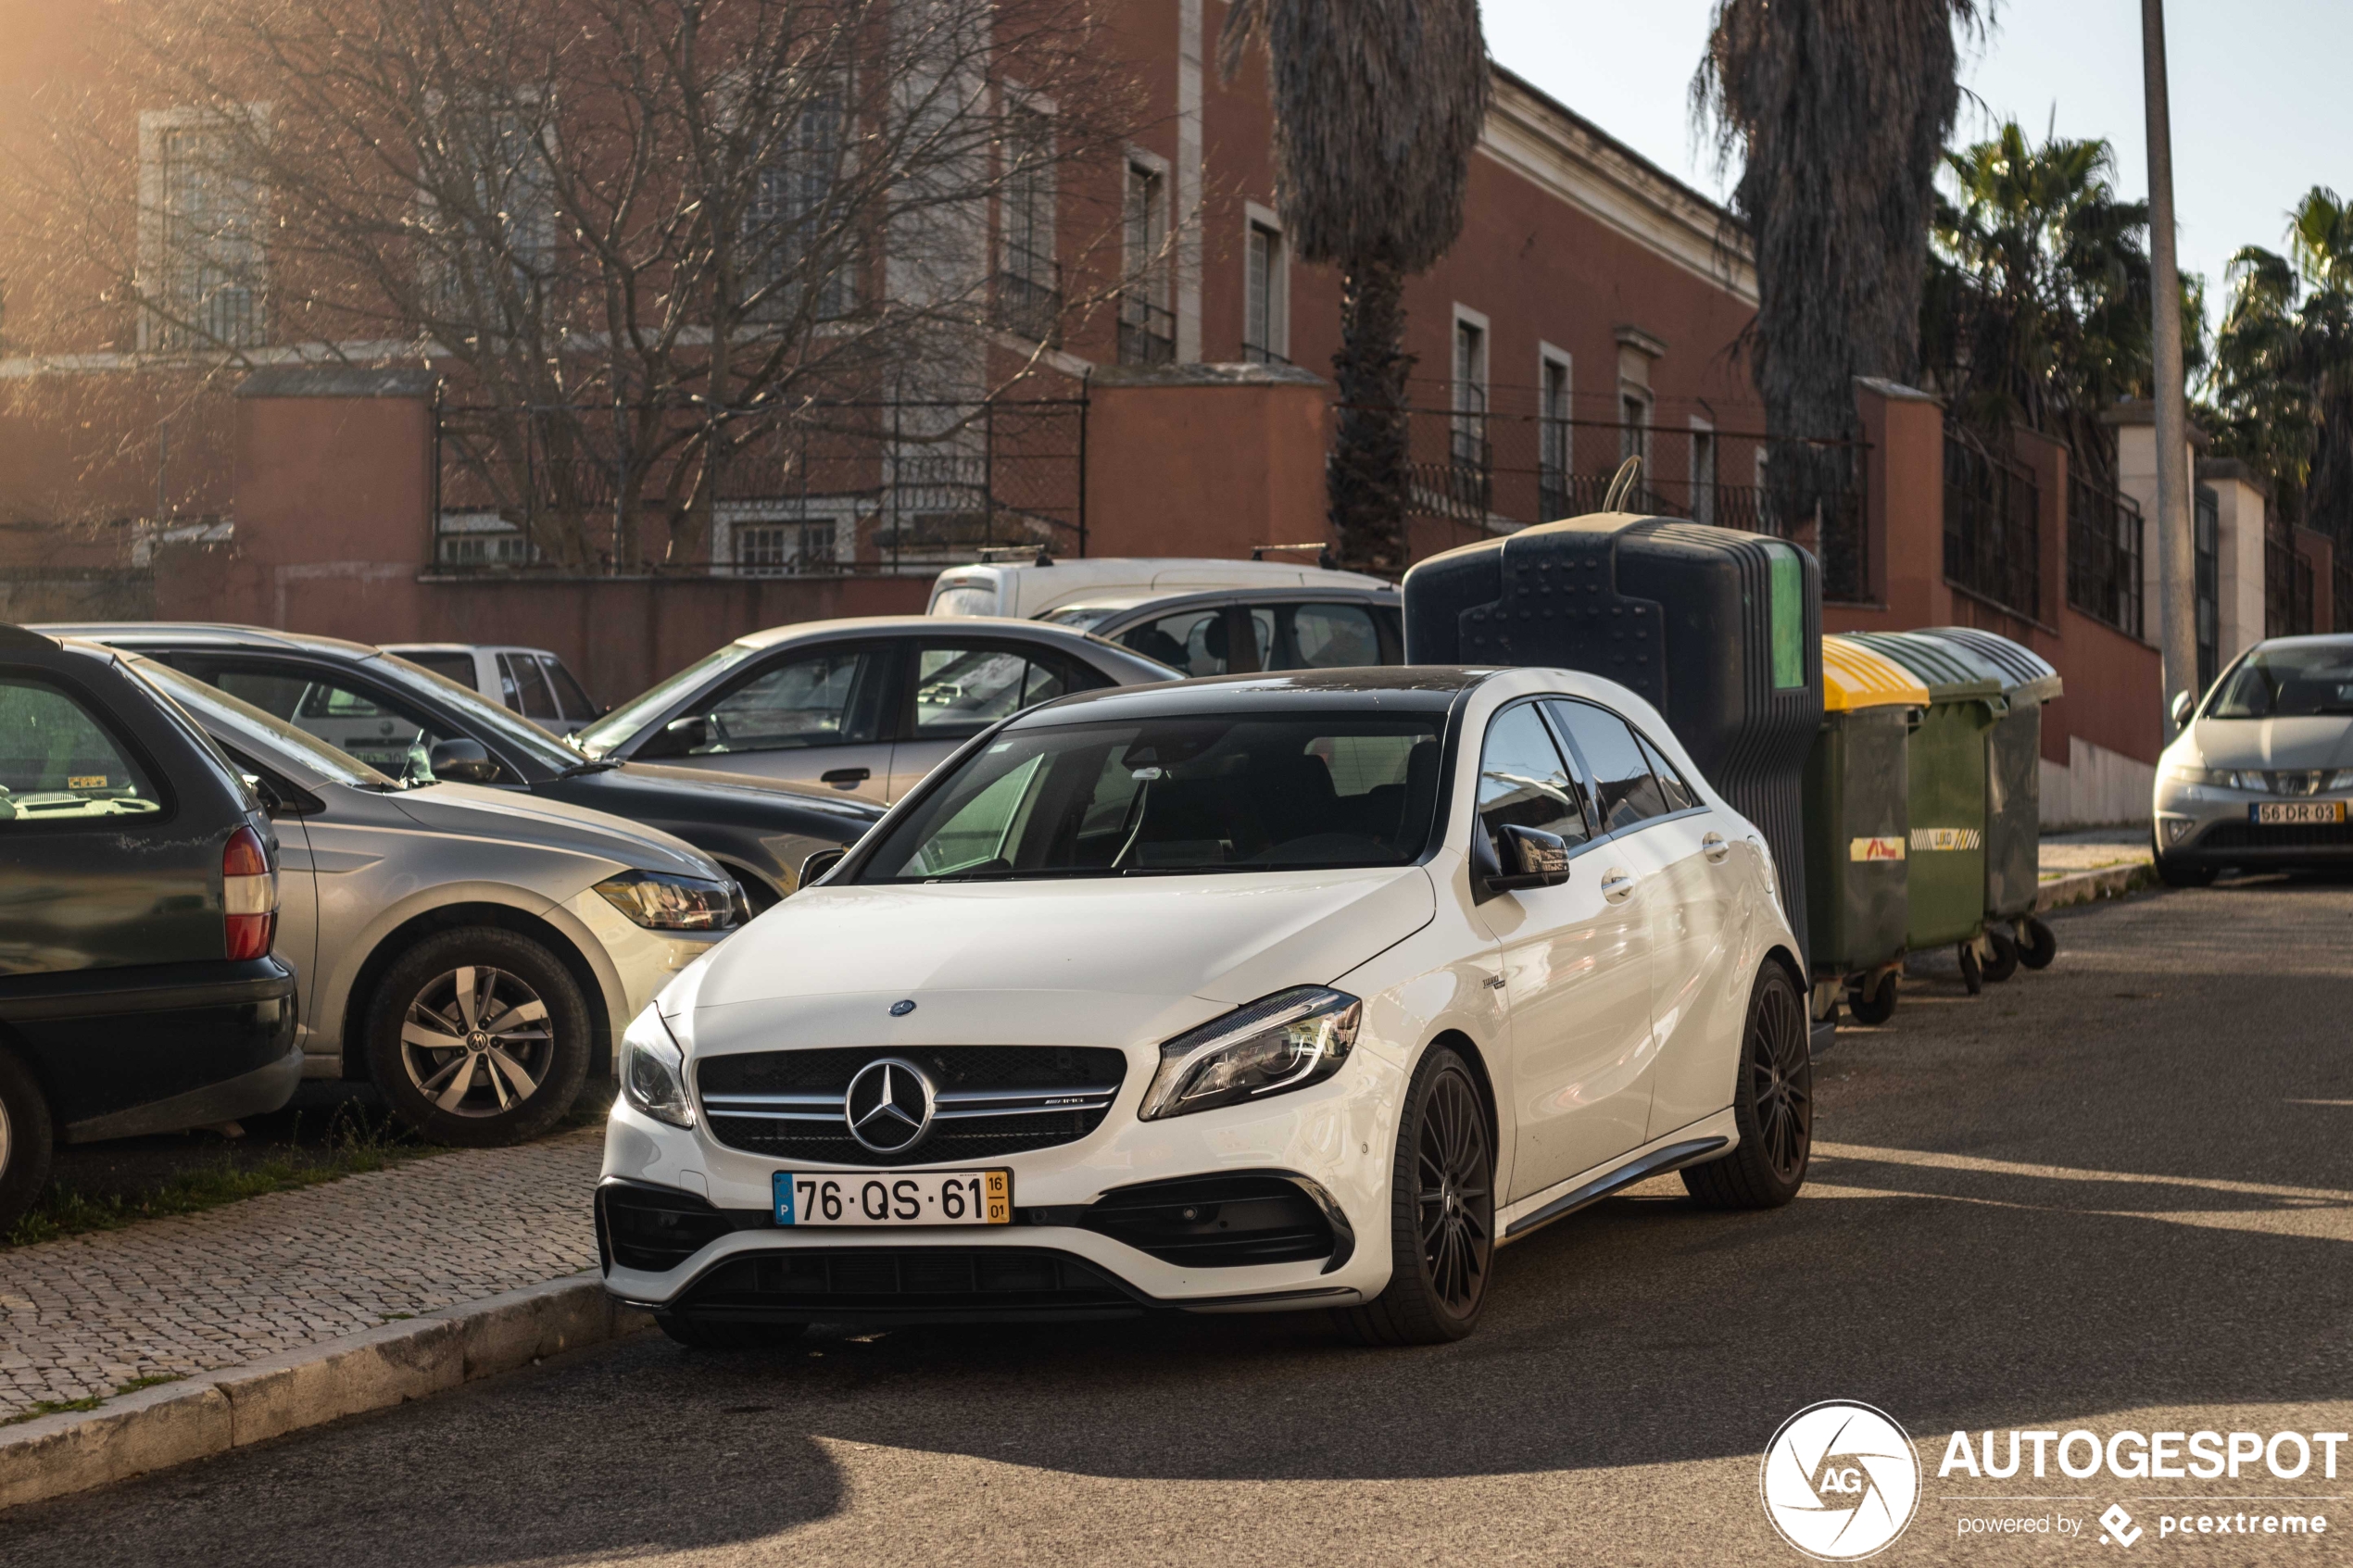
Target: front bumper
x=2199, y=825
x=1068, y=1252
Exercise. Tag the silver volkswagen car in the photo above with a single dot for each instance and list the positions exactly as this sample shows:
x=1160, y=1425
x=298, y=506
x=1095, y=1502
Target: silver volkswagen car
x=473, y=953
x=2261, y=775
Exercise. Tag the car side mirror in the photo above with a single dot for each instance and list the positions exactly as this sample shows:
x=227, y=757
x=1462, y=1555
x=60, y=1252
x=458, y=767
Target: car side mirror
x=2181, y=709
x=462, y=761
x=1524, y=857
x=677, y=738
x=817, y=865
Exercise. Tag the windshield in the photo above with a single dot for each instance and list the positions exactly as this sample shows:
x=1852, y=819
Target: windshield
x=516, y=732
x=631, y=716
x=979, y=600
x=1177, y=795
x=250, y=727
x=1084, y=617
x=2297, y=681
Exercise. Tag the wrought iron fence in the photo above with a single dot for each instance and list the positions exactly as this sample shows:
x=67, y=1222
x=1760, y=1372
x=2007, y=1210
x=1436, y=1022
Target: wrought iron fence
x=1488, y=462
x=844, y=486
x=2104, y=554
x=1028, y=297
x=1993, y=529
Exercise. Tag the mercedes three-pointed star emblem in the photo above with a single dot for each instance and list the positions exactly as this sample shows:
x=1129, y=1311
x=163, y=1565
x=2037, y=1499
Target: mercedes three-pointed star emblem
x=889, y=1104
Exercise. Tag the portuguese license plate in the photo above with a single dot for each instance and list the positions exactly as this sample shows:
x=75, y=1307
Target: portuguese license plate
x=889, y=1198
x=2298, y=811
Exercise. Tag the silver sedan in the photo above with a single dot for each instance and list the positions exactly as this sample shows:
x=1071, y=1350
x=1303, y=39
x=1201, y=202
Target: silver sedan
x=471, y=951
x=2262, y=772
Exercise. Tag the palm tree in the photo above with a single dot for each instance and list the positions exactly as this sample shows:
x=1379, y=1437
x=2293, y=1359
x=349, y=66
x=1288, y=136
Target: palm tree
x=1840, y=108
x=2284, y=365
x=2036, y=310
x=1378, y=105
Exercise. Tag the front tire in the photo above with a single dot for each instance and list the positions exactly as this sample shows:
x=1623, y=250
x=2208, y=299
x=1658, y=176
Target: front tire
x=1442, y=1214
x=25, y=1141
x=1772, y=1105
x=2172, y=873
x=478, y=1038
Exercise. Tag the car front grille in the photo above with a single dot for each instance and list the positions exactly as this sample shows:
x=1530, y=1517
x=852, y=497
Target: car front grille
x=993, y=1100
x=2277, y=836
x=826, y=1285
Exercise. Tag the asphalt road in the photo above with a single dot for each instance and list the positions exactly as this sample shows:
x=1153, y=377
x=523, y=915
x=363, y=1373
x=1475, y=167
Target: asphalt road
x=2111, y=1196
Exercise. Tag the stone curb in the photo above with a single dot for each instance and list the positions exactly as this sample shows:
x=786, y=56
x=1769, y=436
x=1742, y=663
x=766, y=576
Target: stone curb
x=215, y=1411
x=2082, y=887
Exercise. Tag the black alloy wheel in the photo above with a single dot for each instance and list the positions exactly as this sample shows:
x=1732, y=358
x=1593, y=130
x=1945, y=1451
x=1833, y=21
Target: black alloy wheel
x=1772, y=1105
x=478, y=1038
x=1442, y=1214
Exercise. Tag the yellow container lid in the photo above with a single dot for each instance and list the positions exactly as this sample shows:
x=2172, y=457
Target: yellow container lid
x=1854, y=676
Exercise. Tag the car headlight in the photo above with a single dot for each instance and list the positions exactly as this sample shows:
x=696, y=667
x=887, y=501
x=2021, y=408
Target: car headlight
x=662, y=902
x=1285, y=1041
x=2222, y=778
x=653, y=1070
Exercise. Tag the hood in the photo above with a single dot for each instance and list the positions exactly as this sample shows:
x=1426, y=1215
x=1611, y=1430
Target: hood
x=515, y=818
x=2318, y=741
x=962, y=951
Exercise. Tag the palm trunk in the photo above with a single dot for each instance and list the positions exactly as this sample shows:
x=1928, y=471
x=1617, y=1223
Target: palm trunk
x=1368, y=478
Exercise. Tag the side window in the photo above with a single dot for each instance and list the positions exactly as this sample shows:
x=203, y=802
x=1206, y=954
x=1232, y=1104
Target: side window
x=457, y=667
x=381, y=731
x=569, y=693
x=825, y=698
x=525, y=688
x=960, y=690
x=1680, y=795
x=1323, y=637
x=1193, y=641
x=57, y=763
x=1524, y=780
x=1624, y=791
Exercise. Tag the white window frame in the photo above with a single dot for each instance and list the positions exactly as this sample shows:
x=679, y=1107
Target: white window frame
x=1702, y=501
x=840, y=290
x=157, y=333
x=1469, y=393
x=533, y=255
x=727, y=517
x=1019, y=100
x=1550, y=357
x=1255, y=220
x=1147, y=270
x=1633, y=439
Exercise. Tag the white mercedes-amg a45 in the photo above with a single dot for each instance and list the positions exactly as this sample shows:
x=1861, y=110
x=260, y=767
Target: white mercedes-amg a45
x=1296, y=991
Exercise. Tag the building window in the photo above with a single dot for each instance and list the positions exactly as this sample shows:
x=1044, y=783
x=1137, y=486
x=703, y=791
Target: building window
x=783, y=549
x=1470, y=391
x=489, y=218
x=1265, y=296
x=794, y=222
x=1555, y=443
x=1147, y=327
x=201, y=235
x=1029, y=294
x=1703, y=475
x=1634, y=430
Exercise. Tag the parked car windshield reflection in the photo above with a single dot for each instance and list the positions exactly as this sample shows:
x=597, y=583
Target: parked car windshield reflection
x=2295, y=681
x=510, y=728
x=239, y=716
x=626, y=719
x=1180, y=795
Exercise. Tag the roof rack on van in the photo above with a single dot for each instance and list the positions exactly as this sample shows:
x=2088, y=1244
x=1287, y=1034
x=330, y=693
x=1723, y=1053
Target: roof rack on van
x=1324, y=560
x=1035, y=555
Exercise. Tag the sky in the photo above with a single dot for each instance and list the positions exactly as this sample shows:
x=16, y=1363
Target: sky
x=2257, y=92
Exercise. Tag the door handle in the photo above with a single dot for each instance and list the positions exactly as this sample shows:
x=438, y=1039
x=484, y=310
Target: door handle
x=1617, y=885
x=1714, y=848
x=845, y=778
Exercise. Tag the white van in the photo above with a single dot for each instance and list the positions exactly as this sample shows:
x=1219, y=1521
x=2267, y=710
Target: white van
x=1023, y=589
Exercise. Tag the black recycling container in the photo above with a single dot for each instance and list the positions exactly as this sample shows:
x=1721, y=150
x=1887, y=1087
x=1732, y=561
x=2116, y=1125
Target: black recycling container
x=1720, y=631
x=2013, y=769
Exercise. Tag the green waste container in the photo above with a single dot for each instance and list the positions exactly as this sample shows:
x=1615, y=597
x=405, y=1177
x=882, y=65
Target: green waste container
x=1944, y=878
x=2014, y=788
x=1857, y=826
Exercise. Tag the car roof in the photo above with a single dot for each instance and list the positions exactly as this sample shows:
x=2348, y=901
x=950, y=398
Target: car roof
x=1175, y=603
x=132, y=634
x=926, y=625
x=1415, y=688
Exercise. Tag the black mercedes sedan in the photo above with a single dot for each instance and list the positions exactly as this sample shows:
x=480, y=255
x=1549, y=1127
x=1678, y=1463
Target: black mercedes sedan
x=406, y=720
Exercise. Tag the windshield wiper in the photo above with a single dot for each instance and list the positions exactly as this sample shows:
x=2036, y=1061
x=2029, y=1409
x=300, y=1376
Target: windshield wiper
x=579, y=768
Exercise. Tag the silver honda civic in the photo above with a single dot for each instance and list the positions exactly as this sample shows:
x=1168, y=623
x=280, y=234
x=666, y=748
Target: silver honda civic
x=473, y=952
x=2261, y=775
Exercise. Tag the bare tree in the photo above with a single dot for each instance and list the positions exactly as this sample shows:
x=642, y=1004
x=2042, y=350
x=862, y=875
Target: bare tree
x=635, y=233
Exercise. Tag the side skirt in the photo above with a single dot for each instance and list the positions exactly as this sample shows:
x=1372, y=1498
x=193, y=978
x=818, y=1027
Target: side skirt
x=1702, y=1139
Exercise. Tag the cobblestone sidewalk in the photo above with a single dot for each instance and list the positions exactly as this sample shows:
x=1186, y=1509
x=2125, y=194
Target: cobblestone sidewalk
x=84, y=1315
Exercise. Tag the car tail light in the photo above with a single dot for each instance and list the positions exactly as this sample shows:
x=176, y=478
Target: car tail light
x=249, y=895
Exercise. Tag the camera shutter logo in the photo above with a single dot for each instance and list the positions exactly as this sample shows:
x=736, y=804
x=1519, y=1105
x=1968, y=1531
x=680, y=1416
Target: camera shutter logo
x=1839, y=1481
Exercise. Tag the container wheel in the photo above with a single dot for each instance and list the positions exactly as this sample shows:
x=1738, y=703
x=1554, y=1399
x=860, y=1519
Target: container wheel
x=2001, y=955
x=1971, y=975
x=2037, y=945
x=1876, y=1006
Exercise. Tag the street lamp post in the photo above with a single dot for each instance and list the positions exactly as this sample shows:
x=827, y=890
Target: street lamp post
x=2176, y=568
